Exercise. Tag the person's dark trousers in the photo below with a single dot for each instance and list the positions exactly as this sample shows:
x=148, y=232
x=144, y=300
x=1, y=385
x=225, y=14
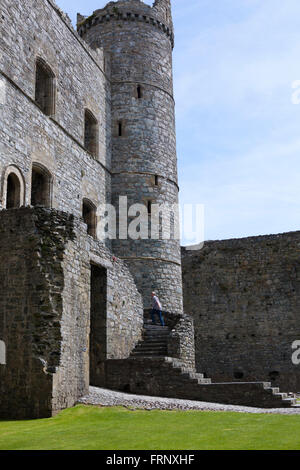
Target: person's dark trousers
x=159, y=313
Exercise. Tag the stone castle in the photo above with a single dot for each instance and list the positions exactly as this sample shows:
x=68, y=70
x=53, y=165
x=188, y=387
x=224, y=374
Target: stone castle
x=87, y=118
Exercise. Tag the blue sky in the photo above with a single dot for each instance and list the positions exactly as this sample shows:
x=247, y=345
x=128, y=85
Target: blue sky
x=238, y=132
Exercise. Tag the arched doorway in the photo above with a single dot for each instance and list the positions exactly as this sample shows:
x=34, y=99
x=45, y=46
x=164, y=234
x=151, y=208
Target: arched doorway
x=13, y=192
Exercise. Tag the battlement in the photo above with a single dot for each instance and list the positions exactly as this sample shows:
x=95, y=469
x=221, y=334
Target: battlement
x=129, y=11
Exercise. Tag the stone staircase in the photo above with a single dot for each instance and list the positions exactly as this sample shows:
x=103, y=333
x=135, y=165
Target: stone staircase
x=155, y=342
x=149, y=371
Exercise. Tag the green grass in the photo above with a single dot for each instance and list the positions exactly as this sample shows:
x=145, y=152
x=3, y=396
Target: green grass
x=87, y=427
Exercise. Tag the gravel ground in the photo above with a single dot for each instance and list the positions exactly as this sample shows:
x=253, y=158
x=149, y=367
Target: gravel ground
x=104, y=397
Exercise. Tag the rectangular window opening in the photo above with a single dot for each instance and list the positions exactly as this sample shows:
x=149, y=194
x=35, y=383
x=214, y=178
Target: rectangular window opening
x=120, y=129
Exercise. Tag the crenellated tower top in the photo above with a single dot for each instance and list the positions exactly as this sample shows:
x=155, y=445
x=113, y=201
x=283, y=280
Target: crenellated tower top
x=158, y=15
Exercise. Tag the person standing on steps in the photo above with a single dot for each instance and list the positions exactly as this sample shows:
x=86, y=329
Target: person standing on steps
x=156, y=309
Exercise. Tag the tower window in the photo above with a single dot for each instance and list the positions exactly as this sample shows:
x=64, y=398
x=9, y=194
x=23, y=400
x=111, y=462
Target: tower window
x=90, y=133
x=156, y=180
x=120, y=129
x=139, y=91
x=45, y=88
x=149, y=206
x=13, y=194
x=89, y=217
x=2, y=353
x=40, y=187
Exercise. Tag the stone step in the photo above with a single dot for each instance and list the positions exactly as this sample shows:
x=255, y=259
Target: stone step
x=204, y=381
x=154, y=350
x=157, y=330
x=174, y=379
x=282, y=395
x=196, y=375
x=290, y=401
x=154, y=339
x=274, y=390
x=151, y=347
x=148, y=321
x=267, y=384
x=156, y=326
x=156, y=336
x=148, y=354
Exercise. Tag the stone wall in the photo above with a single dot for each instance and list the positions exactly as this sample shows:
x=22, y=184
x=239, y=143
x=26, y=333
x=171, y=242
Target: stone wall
x=244, y=297
x=31, y=305
x=45, y=276
x=32, y=29
x=181, y=343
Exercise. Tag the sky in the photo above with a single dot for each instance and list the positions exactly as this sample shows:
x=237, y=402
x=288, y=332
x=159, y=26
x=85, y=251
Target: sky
x=237, y=114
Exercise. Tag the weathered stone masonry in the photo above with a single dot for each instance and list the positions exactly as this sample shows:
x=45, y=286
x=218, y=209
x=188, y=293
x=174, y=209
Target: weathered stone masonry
x=244, y=297
x=45, y=311
x=87, y=117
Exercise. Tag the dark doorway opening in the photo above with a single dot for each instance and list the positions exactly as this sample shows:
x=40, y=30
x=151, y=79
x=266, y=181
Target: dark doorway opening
x=13, y=198
x=98, y=334
x=89, y=217
x=40, y=187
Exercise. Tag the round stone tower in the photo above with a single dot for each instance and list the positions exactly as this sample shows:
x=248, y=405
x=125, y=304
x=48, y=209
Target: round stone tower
x=138, y=40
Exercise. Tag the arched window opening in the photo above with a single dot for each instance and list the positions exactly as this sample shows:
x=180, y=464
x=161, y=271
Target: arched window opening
x=40, y=187
x=89, y=217
x=90, y=133
x=13, y=192
x=45, y=88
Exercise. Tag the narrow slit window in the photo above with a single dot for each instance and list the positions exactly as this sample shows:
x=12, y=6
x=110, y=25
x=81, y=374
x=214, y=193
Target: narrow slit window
x=2, y=353
x=45, y=88
x=139, y=91
x=156, y=180
x=149, y=207
x=90, y=133
x=120, y=129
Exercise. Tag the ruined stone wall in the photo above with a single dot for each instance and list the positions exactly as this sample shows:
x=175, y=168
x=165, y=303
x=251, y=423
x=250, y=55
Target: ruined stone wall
x=45, y=276
x=27, y=135
x=139, y=40
x=244, y=297
x=31, y=277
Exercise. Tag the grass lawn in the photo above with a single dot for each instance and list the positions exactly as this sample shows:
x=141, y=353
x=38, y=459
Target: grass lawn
x=87, y=427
